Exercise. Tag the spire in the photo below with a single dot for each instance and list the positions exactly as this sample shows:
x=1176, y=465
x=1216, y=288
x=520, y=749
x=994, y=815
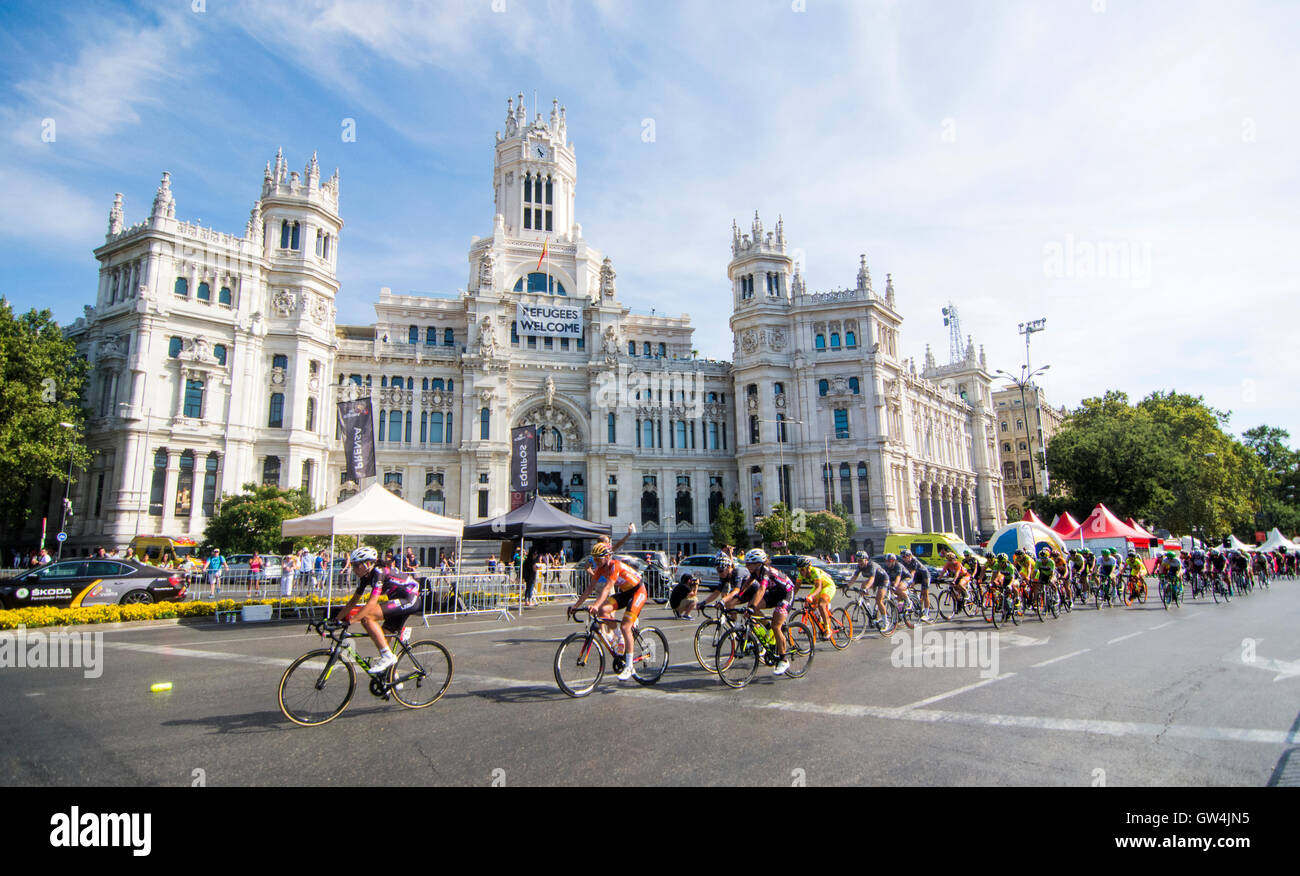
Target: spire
x=889, y=289
x=115, y=214
x=279, y=165
x=521, y=115
x=864, y=276
x=758, y=228
x=970, y=349
x=563, y=127
x=780, y=230
x=929, y=358
x=164, y=205
x=555, y=112
x=984, y=363
x=253, y=230
x=797, y=284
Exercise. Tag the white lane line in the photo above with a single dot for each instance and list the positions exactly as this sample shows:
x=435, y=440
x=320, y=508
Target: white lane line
x=172, y=651
x=1161, y=626
x=953, y=693
x=35, y=693
x=1129, y=636
x=1062, y=657
x=735, y=699
x=497, y=630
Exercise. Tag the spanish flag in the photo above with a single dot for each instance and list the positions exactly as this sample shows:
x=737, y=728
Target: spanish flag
x=543, y=255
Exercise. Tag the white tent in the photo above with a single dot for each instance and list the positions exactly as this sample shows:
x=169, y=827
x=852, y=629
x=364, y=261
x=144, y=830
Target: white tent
x=1237, y=544
x=1276, y=540
x=373, y=511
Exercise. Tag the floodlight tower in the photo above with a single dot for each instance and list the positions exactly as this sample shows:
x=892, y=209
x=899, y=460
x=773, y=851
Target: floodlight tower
x=956, y=352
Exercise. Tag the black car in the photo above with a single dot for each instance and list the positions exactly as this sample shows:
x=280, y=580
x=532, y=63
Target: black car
x=91, y=581
x=786, y=564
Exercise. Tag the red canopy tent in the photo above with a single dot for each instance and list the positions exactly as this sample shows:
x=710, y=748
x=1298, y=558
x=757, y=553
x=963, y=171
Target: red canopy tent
x=1143, y=531
x=1031, y=517
x=1104, y=529
x=1066, y=524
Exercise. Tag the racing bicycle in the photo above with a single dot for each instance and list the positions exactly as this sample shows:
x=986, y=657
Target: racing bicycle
x=580, y=659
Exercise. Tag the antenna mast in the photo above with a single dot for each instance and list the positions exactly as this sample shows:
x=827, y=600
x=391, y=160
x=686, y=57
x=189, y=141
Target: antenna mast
x=956, y=351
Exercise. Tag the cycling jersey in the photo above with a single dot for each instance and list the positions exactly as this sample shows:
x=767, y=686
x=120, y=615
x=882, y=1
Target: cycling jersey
x=779, y=589
x=1045, y=569
x=920, y=571
x=878, y=577
x=624, y=577
x=818, y=581
x=402, y=592
x=1174, y=565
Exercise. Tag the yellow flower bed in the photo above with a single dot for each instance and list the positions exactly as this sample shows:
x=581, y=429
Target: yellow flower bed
x=46, y=616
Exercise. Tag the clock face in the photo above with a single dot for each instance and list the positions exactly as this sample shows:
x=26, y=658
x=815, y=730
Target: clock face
x=539, y=151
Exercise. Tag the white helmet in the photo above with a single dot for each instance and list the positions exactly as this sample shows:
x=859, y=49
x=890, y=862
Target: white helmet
x=363, y=553
x=757, y=555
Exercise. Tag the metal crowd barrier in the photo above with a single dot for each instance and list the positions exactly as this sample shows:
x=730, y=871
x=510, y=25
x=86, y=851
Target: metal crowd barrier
x=471, y=593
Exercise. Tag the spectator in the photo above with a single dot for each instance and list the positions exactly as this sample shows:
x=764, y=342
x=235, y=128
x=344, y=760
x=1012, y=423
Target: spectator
x=215, y=564
x=530, y=575
x=409, y=562
x=44, y=558
x=288, y=565
x=255, y=566
x=320, y=569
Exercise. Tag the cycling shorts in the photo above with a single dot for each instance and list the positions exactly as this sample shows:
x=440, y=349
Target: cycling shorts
x=631, y=601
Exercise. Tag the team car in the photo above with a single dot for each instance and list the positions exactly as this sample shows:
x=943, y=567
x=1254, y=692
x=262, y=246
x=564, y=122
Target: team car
x=90, y=581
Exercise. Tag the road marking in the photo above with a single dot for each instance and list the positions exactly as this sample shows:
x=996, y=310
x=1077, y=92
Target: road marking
x=172, y=651
x=497, y=630
x=1062, y=657
x=1020, y=640
x=35, y=693
x=733, y=699
x=953, y=693
x=1284, y=669
x=1161, y=626
x=1129, y=636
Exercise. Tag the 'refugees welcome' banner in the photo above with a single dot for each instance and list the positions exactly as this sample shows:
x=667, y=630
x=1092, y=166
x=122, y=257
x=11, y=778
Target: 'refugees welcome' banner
x=549, y=321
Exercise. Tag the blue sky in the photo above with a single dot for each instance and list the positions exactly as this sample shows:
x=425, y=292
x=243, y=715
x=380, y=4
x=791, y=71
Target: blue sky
x=982, y=153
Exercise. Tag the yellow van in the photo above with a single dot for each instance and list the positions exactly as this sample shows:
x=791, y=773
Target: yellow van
x=930, y=547
x=152, y=548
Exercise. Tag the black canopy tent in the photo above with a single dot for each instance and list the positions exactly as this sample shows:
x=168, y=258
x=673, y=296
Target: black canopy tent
x=533, y=520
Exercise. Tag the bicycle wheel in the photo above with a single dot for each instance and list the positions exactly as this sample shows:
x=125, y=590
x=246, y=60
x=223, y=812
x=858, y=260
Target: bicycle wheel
x=1142, y=592
x=707, y=637
x=908, y=613
x=887, y=620
x=1052, y=601
x=1012, y=609
x=969, y=604
x=651, y=655
x=991, y=605
x=316, y=688
x=1038, y=604
x=799, y=649
x=737, y=658
x=841, y=629
x=947, y=604
x=860, y=620
x=421, y=675
x=579, y=664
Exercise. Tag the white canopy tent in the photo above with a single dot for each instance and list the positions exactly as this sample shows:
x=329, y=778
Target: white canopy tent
x=1276, y=540
x=373, y=511
x=1237, y=544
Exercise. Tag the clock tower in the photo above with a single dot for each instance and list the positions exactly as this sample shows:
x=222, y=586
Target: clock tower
x=535, y=174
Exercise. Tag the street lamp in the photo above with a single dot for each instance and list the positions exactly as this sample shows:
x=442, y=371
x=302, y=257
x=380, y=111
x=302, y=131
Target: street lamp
x=1022, y=383
x=67, y=486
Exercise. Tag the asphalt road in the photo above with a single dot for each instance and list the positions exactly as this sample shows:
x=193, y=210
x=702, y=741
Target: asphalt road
x=1202, y=695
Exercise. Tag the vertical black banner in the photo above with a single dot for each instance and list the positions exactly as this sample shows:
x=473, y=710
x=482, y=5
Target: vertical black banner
x=523, y=459
x=356, y=423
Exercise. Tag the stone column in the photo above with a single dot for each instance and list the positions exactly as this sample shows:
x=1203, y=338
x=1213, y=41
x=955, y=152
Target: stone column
x=169, y=490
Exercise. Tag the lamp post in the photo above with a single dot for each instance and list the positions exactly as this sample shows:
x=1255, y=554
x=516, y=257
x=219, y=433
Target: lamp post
x=67, y=487
x=1021, y=384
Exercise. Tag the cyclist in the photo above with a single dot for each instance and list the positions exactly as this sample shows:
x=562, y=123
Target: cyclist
x=1077, y=563
x=1136, y=571
x=730, y=579
x=1106, y=567
x=919, y=573
x=1044, y=570
x=1240, y=565
x=960, y=576
x=618, y=586
x=401, y=591
x=822, y=588
x=1171, y=571
x=771, y=589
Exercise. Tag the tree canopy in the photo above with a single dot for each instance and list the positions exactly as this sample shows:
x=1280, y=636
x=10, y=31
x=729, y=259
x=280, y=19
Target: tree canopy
x=251, y=520
x=41, y=381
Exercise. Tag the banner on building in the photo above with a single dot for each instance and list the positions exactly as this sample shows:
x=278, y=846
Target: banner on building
x=356, y=425
x=523, y=459
x=548, y=321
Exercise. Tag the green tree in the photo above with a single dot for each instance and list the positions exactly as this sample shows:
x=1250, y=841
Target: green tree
x=1279, y=494
x=251, y=520
x=841, y=511
x=784, y=527
x=729, y=527
x=830, y=532
x=41, y=381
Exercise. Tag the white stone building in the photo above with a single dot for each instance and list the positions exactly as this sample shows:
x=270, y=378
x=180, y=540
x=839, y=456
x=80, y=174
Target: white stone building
x=216, y=361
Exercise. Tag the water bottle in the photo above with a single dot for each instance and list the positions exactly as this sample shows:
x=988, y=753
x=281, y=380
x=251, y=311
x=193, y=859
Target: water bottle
x=618, y=645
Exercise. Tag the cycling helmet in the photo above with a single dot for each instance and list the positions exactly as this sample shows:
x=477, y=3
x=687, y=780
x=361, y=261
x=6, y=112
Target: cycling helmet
x=726, y=562
x=904, y=554
x=861, y=555
x=362, y=554
x=803, y=562
x=890, y=558
x=1044, y=553
x=966, y=553
x=757, y=555
x=600, y=551
x=1004, y=558
x=1169, y=555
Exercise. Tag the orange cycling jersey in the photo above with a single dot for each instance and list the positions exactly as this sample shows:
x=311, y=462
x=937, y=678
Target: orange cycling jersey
x=623, y=576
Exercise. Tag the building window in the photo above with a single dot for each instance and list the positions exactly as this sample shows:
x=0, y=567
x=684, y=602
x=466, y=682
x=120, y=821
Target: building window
x=280, y=361
x=854, y=386
x=482, y=503
x=663, y=351
x=835, y=340
x=681, y=434
x=1024, y=469
x=612, y=436
x=306, y=476
x=850, y=340
x=548, y=343
x=159, y=486
x=841, y=423
x=182, y=287
x=823, y=387
x=713, y=436
x=532, y=342
x=753, y=430
x=174, y=348
x=395, y=426
x=210, y=485
x=1004, y=425
x=435, y=428
x=780, y=429
x=631, y=348
x=99, y=494
x=224, y=297
x=219, y=351
x=294, y=241
x=846, y=486
x=541, y=284
x=413, y=335
x=485, y=424
x=284, y=234
x=820, y=342
x=1006, y=448
x=311, y=415
x=410, y=419
x=185, y=485
x=193, y=402
x=646, y=348
x=448, y=338
x=271, y=472
x=205, y=292
x=275, y=418
x=864, y=489
x=449, y=440
x=648, y=434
